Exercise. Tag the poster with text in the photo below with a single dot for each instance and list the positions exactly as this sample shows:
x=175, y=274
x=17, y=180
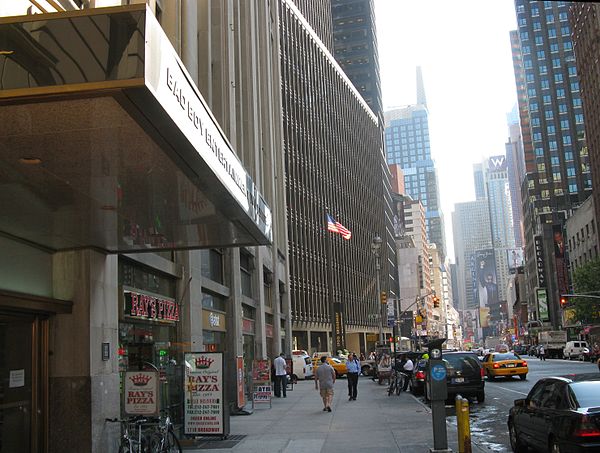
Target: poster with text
x=141, y=393
x=204, y=394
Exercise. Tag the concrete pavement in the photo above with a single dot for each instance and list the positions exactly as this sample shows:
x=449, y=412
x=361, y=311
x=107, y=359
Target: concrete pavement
x=375, y=422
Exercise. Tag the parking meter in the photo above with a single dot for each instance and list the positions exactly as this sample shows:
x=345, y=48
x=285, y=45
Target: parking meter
x=437, y=390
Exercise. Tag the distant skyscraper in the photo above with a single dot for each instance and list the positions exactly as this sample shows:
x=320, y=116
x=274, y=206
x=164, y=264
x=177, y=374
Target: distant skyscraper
x=472, y=234
x=516, y=172
x=558, y=174
x=355, y=47
x=478, y=181
x=407, y=144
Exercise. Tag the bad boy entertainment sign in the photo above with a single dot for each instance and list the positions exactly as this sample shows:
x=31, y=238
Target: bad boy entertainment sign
x=204, y=403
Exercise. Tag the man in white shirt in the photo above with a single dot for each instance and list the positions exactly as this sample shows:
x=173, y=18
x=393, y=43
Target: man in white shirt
x=280, y=376
x=407, y=369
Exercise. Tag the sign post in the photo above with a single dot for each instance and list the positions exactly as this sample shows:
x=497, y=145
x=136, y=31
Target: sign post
x=437, y=390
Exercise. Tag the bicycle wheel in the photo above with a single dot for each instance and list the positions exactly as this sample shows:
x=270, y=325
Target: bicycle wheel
x=125, y=446
x=392, y=387
x=172, y=443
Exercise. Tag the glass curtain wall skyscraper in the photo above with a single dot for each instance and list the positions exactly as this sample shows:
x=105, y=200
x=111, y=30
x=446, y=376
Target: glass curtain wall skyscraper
x=407, y=144
x=557, y=166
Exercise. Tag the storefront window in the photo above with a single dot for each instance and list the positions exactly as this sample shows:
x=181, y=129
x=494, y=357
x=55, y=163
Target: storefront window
x=148, y=337
x=246, y=274
x=214, y=341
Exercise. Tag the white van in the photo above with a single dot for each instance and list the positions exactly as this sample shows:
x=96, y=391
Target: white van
x=577, y=349
x=303, y=367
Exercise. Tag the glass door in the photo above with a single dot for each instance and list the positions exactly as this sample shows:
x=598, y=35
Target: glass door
x=20, y=407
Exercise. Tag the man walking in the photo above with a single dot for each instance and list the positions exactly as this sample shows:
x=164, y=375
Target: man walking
x=280, y=376
x=542, y=353
x=353, y=366
x=324, y=380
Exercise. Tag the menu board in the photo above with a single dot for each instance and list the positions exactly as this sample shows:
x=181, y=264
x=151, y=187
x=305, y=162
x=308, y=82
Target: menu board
x=204, y=403
x=141, y=393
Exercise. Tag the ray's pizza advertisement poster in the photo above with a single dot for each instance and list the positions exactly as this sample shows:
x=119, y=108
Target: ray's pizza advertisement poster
x=204, y=405
x=141, y=393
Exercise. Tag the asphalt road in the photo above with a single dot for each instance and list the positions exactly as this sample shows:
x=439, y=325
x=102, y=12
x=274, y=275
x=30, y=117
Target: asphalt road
x=488, y=420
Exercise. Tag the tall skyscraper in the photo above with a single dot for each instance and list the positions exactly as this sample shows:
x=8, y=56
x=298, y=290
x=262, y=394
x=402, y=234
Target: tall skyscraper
x=515, y=162
x=479, y=181
x=558, y=174
x=407, y=144
x=355, y=47
x=586, y=29
x=333, y=146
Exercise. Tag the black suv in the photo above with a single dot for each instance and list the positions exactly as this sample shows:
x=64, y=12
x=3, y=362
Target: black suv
x=464, y=375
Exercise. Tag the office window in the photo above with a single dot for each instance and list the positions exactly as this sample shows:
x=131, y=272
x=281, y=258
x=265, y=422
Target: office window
x=552, y=145
x=572, y=70
x=549, y=18
x=574, y=86
x=579, y=118
x=569, y=155
x=539, y=152
x=562, y=108
x=545, y=83
x=556, y=63
x=567, y=140
x=554, y=47
x=558, y=78
x=564, y=124
x=543, y=69
x=551, y=129
x=560, y=93
x=548, y=114
x=567, y=45
x=246, y=266
x=547, y=99
x=539, y=41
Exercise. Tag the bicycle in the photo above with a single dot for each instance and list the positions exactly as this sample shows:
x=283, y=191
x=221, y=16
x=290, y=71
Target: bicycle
x=397, y=381
x=128, y=443
x=164, y=439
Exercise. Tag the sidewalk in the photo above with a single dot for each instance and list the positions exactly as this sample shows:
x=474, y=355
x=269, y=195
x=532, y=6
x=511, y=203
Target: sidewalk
x=375, y=422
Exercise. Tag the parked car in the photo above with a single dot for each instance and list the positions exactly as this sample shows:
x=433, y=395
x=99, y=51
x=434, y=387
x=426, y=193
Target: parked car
x=520, y=349
x=576, y=349
x=507, y=364
x=464, y=375
x=560, y=414
x=302, y=367
x=417, y=379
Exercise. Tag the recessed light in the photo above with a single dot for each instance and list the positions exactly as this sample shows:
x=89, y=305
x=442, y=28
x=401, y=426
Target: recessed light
x=30, y=160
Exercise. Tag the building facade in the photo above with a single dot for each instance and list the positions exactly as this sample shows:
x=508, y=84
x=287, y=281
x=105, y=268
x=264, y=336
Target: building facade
x=334, y=163
x=558, y=176
x=144, y=214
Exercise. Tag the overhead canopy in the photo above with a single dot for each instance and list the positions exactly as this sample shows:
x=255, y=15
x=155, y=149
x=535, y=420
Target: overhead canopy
x=106, y=142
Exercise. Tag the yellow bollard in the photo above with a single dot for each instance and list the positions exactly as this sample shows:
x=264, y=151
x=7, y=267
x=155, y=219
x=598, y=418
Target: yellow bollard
x=463, y=424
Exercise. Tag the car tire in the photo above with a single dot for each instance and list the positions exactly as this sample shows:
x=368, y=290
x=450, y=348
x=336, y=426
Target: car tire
x=515, y=441
x=523, y=377
x=481, y=397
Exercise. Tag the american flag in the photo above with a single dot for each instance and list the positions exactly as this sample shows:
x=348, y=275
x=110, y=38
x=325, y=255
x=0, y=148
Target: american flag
x=336, y=227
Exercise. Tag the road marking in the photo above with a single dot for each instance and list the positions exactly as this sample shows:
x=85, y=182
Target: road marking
x=510, y=390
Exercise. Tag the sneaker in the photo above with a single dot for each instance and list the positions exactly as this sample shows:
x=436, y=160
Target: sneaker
x=324, y=409
x=350, y=399
x=328, y=409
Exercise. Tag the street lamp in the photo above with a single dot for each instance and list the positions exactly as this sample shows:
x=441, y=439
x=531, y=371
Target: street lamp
x=375, y=248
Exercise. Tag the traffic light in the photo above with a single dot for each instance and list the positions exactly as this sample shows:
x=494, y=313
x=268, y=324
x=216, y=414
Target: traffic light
x=564, y=301
x=383, y=297
x=436, y=302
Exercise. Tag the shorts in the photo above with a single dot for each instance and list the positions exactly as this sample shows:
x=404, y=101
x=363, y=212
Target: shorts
x=326, y=392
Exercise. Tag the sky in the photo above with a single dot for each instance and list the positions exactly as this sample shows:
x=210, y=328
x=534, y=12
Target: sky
x=463, y=48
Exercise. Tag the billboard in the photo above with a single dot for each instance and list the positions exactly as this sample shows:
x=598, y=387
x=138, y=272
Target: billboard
x=515, y=258
x=485, y=283
x=469, y=323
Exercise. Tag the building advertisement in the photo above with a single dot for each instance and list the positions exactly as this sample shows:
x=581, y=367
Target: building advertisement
x=150, y=308
x=515, y=259
x=542, y=300
x=203, y=405
x=141, y=393
x=539, y=260
x=469, y=323
x=562, y=279
x=485, y=285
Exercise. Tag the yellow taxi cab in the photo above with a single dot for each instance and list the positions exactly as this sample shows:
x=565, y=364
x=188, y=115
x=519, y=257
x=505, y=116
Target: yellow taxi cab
x=338, y=365
x=507, y=364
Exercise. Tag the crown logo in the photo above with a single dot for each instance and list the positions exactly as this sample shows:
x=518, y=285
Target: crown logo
x=203, y=362
x=140, y=379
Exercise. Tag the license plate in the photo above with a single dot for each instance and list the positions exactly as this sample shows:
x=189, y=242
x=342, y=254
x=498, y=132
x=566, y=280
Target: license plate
x=510, y=365
x=458, y=380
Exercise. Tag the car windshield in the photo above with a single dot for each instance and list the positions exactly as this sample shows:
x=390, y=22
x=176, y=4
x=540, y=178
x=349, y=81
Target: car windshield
x=464, y=362
x=507, y=356
x=587, y=393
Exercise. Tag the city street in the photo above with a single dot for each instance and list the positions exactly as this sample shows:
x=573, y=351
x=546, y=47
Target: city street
x=488, y=420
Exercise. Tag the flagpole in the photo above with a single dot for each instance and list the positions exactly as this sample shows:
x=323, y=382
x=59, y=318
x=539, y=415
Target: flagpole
x=330, y=289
